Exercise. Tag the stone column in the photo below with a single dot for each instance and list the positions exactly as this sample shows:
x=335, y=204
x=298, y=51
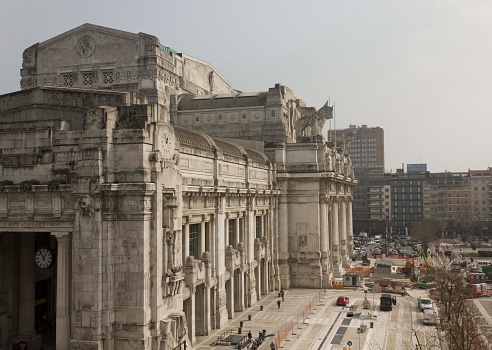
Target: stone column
x=202, y=237
x=189, y=307
x=335, y=237
x=258, y=279
x=334, y=225
x=240, y=292
x=238, y=230
x=323, y=234
x=343, y=228
x=207, y=312
x=226, y=231
x=283, y=242
x=27, y=330
x=63, y=289
x=230, y=296
x=343, y=232
x=350, y=227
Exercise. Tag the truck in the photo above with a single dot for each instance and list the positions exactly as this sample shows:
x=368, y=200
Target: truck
x=386, y=302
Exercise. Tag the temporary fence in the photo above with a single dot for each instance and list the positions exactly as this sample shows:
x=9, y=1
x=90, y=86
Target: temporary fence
x=302, y=317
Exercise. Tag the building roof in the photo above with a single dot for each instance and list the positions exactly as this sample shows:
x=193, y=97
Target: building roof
x=198, y=139
x=189, y=102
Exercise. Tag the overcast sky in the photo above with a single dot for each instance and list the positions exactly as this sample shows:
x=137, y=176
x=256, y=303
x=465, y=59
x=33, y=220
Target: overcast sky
x=420, y=69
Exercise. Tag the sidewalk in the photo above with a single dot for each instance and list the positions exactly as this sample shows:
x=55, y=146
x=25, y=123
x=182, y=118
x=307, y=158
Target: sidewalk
x=306, y=319
x=279, y=323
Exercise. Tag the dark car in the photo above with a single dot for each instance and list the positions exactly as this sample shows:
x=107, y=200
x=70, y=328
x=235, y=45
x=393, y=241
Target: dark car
x=342, y=301
x=386, y=302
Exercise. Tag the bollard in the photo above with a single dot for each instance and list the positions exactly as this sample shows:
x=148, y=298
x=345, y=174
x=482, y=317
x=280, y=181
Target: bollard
x=239, y=330
x=261, y=307
x=241, y=324
x=249, y=317
x=372, y=324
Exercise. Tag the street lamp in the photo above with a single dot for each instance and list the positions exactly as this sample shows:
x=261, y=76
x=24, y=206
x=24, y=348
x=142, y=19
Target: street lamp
x=386, y=218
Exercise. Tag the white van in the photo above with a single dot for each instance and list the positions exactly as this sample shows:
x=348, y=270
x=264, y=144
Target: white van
x=482, y=263
x=429, y=316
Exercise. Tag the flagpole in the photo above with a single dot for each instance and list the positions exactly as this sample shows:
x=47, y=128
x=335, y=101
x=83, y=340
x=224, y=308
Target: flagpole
x=334, y=124
x=329, y=133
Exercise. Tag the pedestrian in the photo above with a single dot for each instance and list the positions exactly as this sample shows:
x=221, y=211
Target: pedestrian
x=282, y=294
x=272, y=346
x=278, y=303
x=250, y=335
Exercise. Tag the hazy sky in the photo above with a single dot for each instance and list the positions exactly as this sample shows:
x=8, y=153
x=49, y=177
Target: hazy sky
x=420, y=69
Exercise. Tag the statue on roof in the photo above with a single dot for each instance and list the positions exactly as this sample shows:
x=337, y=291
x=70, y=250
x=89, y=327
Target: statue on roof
x=312, y=121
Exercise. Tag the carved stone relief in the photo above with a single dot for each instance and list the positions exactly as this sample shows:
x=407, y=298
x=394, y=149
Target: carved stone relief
x=94, y=117
x=86, y=46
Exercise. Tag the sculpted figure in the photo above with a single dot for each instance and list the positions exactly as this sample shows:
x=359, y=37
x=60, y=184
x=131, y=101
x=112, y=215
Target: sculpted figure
x=86, y=206
x=312, y=118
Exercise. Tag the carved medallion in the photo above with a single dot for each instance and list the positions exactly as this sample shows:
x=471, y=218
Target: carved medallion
x=86, y=46
x=94, y=117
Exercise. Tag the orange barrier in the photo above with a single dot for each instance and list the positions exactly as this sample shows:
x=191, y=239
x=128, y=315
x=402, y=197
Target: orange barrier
x=360, y=270
x=283, y=335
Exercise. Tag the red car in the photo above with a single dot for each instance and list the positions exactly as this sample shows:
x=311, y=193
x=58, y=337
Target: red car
x=342, y=301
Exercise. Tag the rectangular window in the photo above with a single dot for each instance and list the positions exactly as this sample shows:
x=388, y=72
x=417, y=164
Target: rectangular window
x=194, y=241
x=207, y=236
x=108, y=77
x=87, y=79
x=67, y=80
x=258, y=227
x=232, y=232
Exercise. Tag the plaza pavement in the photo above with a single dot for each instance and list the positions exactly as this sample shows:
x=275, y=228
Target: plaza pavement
x=309, y=319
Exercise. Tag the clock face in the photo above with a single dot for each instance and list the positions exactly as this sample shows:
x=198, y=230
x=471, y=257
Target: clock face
x=43, y=258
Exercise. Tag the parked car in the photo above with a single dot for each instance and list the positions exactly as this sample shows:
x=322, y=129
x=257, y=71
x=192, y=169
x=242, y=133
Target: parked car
x=429, y=317
x=425, y=304
x=342, y=301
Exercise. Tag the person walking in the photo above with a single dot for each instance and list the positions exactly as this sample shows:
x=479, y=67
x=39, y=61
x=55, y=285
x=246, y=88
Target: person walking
x=282, y=294
x=278, y=303
x=272, y=346
x=250, y=336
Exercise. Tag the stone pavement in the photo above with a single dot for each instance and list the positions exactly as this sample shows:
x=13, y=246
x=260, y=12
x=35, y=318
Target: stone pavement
x=309, y=319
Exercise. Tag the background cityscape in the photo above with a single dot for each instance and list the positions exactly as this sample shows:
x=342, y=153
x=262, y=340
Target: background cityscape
x=458, y=203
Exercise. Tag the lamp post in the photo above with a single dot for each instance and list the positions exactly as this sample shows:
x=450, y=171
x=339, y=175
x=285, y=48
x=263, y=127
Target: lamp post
x=386, y=218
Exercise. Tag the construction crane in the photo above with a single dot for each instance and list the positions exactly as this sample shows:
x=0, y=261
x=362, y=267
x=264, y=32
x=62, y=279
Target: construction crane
x=422, y=254
x=423, y=284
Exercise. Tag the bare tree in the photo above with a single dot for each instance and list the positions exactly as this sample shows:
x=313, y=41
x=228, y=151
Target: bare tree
x=424, y=232
x=460, y=321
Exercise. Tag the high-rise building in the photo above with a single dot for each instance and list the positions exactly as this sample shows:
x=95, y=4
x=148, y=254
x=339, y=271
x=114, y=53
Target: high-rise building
x=366, y=150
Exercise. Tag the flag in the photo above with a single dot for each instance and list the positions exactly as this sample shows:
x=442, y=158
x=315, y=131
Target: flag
x=327, y=104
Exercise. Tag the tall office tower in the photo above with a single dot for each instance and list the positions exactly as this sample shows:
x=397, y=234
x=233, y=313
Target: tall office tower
x=366, y=151
x=367, y=147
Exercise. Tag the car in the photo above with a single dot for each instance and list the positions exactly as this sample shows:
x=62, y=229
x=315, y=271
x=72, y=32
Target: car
x=425, y=304
x=429, y=317
x=342, y=301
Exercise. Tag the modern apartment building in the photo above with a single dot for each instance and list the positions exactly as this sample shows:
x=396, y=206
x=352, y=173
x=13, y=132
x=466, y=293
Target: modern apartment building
x=481, y=198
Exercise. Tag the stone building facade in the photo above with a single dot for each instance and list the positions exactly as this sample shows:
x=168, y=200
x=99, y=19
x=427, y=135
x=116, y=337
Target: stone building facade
x=144, y=201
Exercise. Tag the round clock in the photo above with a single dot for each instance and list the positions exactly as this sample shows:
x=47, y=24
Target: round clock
x=43, y=258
